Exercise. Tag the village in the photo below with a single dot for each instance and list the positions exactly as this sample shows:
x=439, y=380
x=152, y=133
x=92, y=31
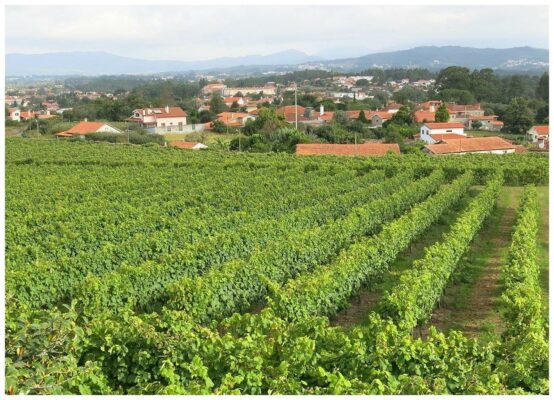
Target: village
x=310, y=106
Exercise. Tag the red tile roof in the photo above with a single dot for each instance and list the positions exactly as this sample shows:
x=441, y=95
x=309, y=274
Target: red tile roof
x=447, y=136
x=424, y=116
x=484, y=118
x=290, y=109
x=470, y=145
x=443, y=125
x=183, y=145
x=541, y=129
x=463, y=107
x=85, y=127
x=365, y=149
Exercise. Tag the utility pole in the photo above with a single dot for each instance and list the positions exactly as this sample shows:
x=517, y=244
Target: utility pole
x=295, y=106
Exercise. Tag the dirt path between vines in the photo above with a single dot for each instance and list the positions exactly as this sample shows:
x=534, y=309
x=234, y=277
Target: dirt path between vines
x=471, y=306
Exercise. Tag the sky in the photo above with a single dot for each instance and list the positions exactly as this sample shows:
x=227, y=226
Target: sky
x=192, y=33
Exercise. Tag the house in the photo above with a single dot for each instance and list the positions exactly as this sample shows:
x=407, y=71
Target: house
x=365, y=149
x=375, y=118
x=421, y=116
x=27, y=115
x=15, y=114
x=234, y=119
x=392, y=108
x=537, y=133
x=230, y=100
x=490, y=145
x=188, y=145
x=268, y=90
x=431, y=105
x=160, y=120
x=291, y=112
x=429, y=131
x=488, y=123
x=50, y=105
x=85, y=127
x=463, y=112
x=211, y=88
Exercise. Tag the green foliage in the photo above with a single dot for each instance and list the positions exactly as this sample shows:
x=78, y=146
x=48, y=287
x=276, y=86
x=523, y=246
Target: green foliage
x=442, y=114
x=518, y=117
x=131, y=236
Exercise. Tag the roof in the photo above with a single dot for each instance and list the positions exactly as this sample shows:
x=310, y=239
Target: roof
x=231, y=99
x=187, y=145
x=423, y=116
x=164, y=112
x=500, y=123
x=84, y=127
x=290, y=110
x=463, y=107
x=470, y=145
x=443, y=125
x=326, y=116
x=365, y=149
x=447, y=136
x=64, y=134
x=484, y=118
x=11, y=110
x=541, y=129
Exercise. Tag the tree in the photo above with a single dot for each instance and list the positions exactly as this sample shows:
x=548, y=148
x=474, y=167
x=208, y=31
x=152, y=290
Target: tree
x=362, y=83
x=518, y=117
x=402, y=117
x=542, y=87
x=340, y=118
x=234, y=107
x=476, y=124
x=362, y=118
x=218, y=126
x=457, y=95
x=454, y=78
x=442, y=114
x=217, y=105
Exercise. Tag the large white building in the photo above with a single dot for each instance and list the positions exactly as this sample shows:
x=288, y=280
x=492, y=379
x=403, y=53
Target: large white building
x=434, y=132
x=161, y=120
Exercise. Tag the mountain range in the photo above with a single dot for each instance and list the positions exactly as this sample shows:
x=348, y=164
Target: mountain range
x=430, y=57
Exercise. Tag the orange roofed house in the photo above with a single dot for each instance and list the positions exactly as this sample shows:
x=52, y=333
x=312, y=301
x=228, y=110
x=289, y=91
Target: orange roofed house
x=85, y=127
x=490, y=145
x=365, y=149
x=160, y=120
x=188, y=145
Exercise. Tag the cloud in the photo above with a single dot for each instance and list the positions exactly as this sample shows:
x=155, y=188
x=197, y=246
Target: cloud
x=200, y=32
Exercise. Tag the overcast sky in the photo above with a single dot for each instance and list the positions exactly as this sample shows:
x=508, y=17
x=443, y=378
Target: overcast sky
x=191, y=33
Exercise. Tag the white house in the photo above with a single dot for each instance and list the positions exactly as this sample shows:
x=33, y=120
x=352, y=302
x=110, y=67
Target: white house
x=538, y=132
x=161, y=120
x=15, y=114
x=434, y=132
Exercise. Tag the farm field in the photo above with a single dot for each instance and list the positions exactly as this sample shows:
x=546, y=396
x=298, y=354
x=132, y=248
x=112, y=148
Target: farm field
x=150, y=270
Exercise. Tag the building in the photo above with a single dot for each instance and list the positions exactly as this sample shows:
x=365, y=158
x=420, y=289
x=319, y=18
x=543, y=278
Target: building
x=429, y=130
x=212, y=88
x=538, y=132
x=290, y=113
x=85, y=127
x=365, y=149
x=15, y=114
x=375, y=118
x=421, y=116
x=485, y=145
x=188, y=145
x=488, y=123
x=230, y=100
x=50, y=106
x=268, y=90
x=463, y=112
x=161, y=120
x=234, y=119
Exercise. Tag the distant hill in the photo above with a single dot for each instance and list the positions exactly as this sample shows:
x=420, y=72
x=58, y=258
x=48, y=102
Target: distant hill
x=102, y=63
x=438, y=57
x=515, y=59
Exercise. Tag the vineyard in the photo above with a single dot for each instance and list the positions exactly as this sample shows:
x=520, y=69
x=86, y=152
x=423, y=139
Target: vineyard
x=149, y=270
